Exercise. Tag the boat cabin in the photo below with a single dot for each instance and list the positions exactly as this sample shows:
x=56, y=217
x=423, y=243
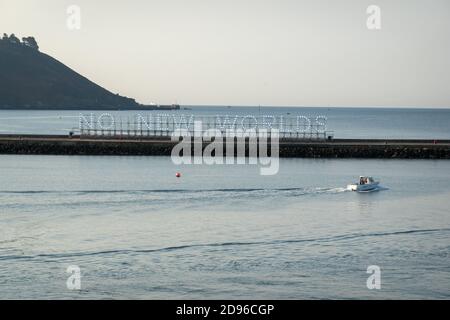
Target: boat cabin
x=365, y=180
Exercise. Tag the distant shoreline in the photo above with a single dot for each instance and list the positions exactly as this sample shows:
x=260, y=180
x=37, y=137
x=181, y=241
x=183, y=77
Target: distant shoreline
x=318, y=107
x=96, y=108
x=190, y=106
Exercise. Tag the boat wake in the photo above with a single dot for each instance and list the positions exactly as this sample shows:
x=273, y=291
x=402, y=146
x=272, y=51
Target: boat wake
x=153, y=197
x=225, y=190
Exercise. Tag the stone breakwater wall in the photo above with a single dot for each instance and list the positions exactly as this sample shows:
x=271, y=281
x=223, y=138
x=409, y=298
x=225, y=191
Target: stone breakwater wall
x=370, y=149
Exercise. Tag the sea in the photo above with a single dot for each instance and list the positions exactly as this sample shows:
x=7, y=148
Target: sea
x=125, y=227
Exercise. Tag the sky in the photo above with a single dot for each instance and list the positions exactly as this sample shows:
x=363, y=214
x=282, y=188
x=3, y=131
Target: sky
x=249, y=52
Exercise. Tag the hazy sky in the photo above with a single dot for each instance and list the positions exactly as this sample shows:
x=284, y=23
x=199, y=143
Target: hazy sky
x=249, y=52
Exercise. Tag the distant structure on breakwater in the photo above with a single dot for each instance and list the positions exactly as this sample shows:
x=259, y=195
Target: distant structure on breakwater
x=164, y=125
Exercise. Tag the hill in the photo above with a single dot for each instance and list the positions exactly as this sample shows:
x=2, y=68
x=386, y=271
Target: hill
x=30, y=79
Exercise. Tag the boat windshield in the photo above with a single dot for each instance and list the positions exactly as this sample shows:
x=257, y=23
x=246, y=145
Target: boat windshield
x=365, y=180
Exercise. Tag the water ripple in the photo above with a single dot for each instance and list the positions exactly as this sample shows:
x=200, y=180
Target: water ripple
x=224, y=244
x=318, y=189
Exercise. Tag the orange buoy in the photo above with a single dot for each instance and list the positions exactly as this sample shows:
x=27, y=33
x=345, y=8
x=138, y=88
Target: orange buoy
x=178, y=175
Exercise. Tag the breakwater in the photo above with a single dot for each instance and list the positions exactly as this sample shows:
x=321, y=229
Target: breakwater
x=336, y=148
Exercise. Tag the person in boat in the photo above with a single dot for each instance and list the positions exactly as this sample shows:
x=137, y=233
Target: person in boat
x=361, y=180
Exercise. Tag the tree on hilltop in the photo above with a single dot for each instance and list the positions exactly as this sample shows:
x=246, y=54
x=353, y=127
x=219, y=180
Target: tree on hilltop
x=30, y=42
x=13, y=39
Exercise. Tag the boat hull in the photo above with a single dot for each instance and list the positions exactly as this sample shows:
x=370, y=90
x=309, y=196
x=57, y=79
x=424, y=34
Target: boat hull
x=363, y=187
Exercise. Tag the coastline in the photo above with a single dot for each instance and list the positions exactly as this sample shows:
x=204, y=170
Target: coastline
x=97, y=108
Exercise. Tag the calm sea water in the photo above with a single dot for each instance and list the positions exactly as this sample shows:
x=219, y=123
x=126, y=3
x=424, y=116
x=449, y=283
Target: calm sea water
x=227, y=232
x=345, y=122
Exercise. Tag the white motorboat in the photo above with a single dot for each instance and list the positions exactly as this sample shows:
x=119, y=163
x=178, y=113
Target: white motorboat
x=364, y=184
